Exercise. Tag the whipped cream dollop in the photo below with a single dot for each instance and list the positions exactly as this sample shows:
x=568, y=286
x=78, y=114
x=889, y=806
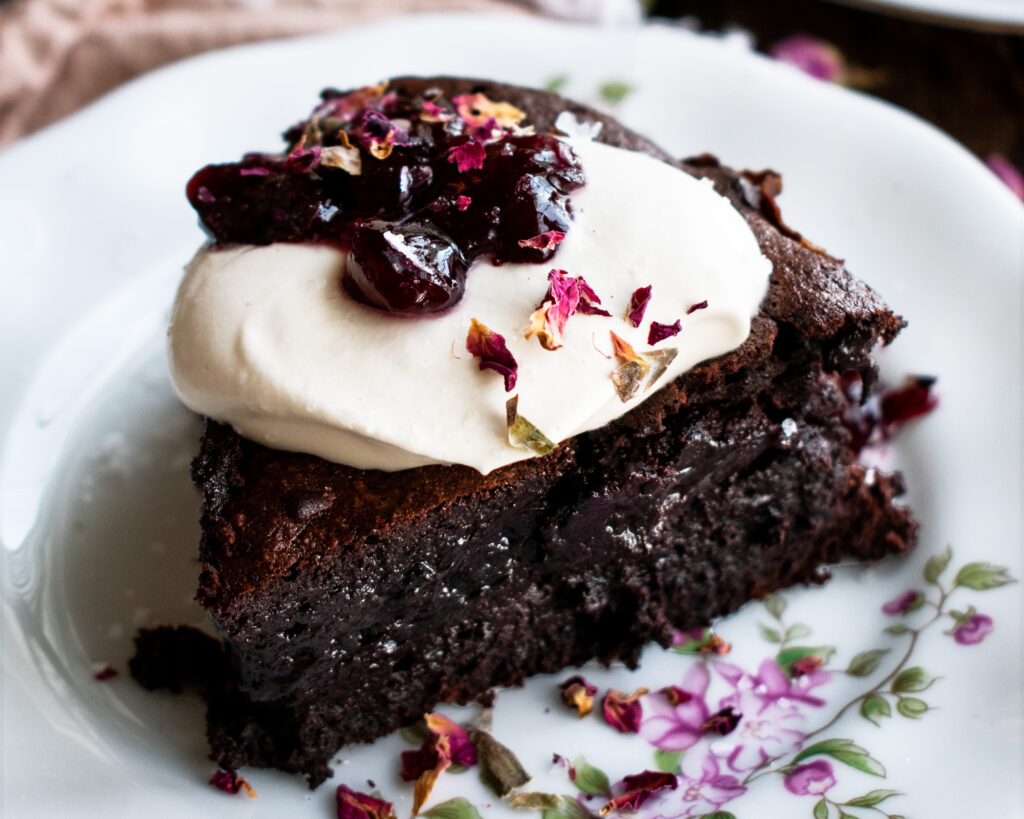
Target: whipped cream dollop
x=265, y=339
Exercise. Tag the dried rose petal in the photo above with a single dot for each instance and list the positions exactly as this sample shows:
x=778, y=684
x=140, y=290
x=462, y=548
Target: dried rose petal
x=693, y=308
x=377, y=133
x=913, y=400
x=354, y=805
x=477, y=109
x=106, y=673
x=462, y=202
x=638, y=305
x=231, y=783
x=468, y=156
x=302, y=159
x=488, y=132
x=876, y=421
x=624, y=350
x=544, y=241
x=623, y=711
x=425, y=781
x=257, y=171
x=494, y=354
x=346, y=106
x=1007, y=173
x=589, y=300
x=345, y=158
x=424, y=766
x=579, y=694
x=675, y=695
x=628, y=376
x=659, y=331
x=548, y=321
x=432, y=112
x=638, y=789
x=447, y=743
x=814, y=57
x=722, y=722
x=461, y=749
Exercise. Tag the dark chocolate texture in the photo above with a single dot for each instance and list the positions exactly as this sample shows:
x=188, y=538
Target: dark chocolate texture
x=352, y=601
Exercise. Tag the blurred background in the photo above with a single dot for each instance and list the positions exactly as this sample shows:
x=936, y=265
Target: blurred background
x=957, y=63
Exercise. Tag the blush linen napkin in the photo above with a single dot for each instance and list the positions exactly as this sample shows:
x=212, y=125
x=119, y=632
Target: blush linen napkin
x=58, y=55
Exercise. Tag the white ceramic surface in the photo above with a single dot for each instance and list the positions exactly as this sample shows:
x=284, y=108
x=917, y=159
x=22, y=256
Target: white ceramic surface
x=98, y=518
x=985, y=14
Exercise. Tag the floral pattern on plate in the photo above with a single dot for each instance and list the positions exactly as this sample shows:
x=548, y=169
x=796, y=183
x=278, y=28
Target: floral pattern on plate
x=774, y=723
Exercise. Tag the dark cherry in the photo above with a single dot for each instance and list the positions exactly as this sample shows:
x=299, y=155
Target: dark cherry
x=404, y=216
x=406, y=268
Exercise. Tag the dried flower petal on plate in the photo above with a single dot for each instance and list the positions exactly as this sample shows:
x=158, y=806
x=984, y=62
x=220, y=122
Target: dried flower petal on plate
x=675, y=695
x=106, y=673
x=231, y=783
x=693, y=308
x=623, y=711
x=579, y=694
x=522, y=433
x=460, y=746
x=462, y=202
x=500, y=769
x=492, y=351
x=638, y=788
x=354, y=805
x=638, y=305
x=722, y=722
x=659, y=332
x=446, y=744
x=534, y=800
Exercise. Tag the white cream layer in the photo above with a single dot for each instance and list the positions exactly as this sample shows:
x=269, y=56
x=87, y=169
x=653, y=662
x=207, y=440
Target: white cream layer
x=264, y=338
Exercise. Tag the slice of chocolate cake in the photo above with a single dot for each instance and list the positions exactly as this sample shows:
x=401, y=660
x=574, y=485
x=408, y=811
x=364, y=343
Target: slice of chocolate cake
x=352, y=600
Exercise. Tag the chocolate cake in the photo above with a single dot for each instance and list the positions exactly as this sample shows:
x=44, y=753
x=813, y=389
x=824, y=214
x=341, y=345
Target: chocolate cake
x=352, y=601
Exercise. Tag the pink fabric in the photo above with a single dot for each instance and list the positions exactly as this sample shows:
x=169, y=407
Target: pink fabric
x=58, y=55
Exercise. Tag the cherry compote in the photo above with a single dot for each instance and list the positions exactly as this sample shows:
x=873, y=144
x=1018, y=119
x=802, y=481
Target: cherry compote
x=415, y=188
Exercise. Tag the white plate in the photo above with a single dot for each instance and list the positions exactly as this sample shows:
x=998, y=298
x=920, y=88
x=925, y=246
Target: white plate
x=98, y=516
x=996, y=15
